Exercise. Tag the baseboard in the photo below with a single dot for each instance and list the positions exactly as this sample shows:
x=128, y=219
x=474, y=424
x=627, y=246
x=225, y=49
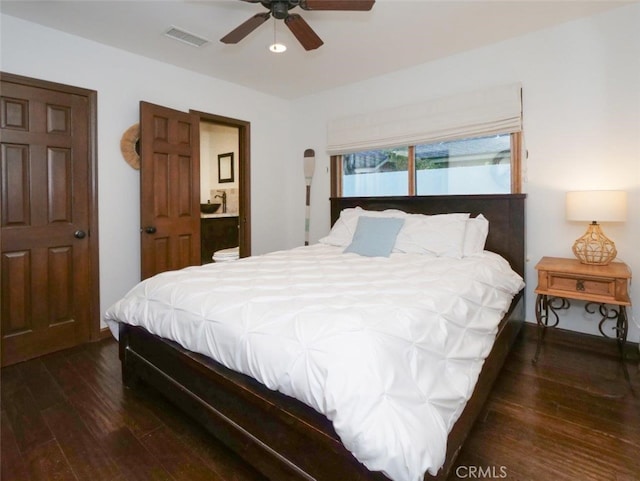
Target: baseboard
x=580, y=340
x=104, y=333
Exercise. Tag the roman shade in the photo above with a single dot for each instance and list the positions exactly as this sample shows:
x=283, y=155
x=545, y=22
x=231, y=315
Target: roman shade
x=495, y=110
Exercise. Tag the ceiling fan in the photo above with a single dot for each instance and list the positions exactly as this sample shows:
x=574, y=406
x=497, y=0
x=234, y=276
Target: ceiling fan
x=300, y=29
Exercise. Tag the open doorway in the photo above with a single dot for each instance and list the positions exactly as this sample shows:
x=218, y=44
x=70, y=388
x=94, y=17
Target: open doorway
x=224, y=186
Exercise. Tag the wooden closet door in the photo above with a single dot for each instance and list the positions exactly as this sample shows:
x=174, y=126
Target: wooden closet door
x=46, y=263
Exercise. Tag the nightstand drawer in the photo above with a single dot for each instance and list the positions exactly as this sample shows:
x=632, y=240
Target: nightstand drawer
x=582, y=284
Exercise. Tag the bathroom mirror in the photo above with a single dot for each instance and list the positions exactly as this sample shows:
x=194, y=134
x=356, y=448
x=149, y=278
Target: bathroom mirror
x=219, y=145
x=225, y=168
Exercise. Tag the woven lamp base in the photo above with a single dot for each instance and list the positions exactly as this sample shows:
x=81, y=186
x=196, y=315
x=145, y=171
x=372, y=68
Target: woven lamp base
x=594, y=247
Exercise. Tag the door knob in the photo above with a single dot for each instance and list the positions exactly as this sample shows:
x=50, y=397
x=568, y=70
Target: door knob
x=79, y=234
x=150, y=229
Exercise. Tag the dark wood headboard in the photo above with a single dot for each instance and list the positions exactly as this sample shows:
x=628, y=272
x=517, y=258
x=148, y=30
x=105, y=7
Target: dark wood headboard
x=505, y=213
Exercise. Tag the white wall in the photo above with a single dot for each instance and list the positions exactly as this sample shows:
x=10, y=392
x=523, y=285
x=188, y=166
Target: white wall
x=581, y=88
x=122, y=80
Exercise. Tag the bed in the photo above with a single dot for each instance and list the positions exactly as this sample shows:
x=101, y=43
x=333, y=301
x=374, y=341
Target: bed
x=282, y=437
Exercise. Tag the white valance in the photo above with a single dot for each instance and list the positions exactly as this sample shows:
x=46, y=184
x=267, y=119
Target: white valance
x=491, y=111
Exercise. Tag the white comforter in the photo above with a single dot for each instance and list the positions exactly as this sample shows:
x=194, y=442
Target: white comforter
x=389, y=349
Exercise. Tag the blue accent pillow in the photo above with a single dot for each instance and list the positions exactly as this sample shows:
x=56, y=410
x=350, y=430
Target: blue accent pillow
x=375, y=236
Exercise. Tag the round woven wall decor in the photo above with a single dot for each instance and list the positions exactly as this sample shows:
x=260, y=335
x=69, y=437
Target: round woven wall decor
x=129, y=146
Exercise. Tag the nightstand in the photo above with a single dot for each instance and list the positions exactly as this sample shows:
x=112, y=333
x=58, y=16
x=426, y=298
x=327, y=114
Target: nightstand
x=604, y=288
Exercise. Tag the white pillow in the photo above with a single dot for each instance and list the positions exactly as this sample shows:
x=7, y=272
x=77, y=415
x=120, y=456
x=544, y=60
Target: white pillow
x=438, y=235
x=475, y=236
x=341, y=233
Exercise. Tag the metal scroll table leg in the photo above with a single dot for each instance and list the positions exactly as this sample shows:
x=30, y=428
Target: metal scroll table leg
x=541, y=306
x=546, y=316
x=622, y=324
x=620, y=330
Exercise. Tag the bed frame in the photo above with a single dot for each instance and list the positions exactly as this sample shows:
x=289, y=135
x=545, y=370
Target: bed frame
x=280, y=436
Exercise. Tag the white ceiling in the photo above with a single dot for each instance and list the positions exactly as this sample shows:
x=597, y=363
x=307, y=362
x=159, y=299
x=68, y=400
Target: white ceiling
x=395, y=34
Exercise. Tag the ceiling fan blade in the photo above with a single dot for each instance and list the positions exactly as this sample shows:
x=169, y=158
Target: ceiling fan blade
x=245, y=28
x=303, y=32
x=360, y=5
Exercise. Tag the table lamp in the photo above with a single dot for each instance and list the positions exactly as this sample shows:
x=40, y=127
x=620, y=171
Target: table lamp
x=596, y=206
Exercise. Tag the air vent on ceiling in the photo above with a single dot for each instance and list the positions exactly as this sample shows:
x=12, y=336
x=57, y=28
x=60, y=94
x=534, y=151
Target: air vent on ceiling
x=186, y=37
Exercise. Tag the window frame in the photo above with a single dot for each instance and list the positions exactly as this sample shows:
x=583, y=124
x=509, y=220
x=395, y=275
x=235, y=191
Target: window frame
x=516, y=169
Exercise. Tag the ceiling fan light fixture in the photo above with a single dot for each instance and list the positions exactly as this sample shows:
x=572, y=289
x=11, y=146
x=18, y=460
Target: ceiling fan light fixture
x=277, y=47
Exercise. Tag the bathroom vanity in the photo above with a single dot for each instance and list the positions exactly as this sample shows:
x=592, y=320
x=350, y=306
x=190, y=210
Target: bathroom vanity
x=217, y=231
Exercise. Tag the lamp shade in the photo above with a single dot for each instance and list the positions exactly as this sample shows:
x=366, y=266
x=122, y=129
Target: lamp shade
x=597, y=205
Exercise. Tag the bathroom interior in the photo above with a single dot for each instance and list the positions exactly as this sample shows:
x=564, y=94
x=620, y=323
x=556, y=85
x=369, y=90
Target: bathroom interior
x=219, y=192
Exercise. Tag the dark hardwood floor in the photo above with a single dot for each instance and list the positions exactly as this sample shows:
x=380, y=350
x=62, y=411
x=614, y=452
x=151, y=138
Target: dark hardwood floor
x=572, y=416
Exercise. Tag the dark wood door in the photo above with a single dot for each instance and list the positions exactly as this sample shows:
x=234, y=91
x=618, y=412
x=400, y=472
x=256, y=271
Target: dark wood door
x=46, y=207
x=169, y=189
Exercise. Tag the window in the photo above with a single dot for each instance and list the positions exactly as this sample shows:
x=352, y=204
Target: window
x=465, y=143
x=381, y=171
x=481, y=165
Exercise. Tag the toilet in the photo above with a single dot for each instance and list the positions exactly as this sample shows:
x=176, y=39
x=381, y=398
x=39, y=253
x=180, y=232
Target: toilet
x=227, y=255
